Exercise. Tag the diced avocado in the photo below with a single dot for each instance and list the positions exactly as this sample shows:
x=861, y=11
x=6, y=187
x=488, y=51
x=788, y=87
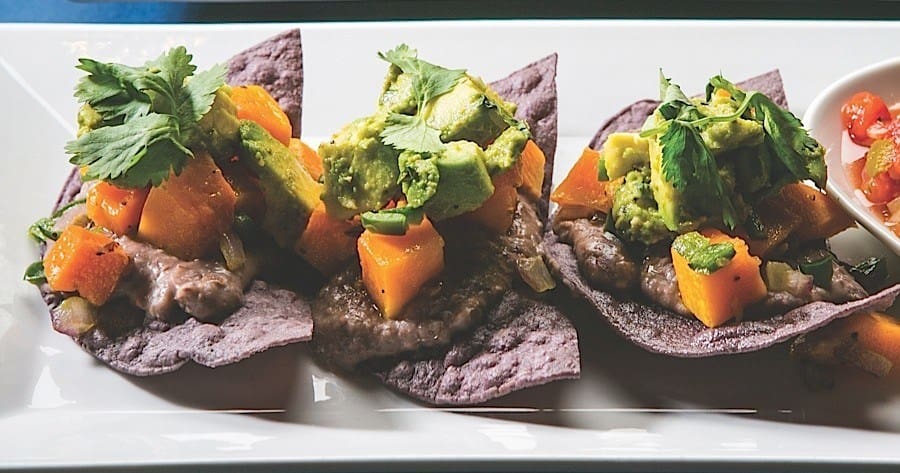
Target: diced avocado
x=634, y=211
x=397, y=94
x=360, y=172
x=88, y=119
x=290, y=192
x=668, y=199
x=503, y=153
x=466, y=113
x=464, y=181
x=725, y=136
x=624, y=152
x=219, y=127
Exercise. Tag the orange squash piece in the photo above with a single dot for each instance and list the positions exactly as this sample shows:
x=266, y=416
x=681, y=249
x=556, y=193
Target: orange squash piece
x=531, y=170
x=86, y=262
x=877, y=332
x=721, y=295
x=308, y=157
x=254, y=103
x=394, y=267
x=115, y=208
x=327, y=243
x=497, y=212
x=581, y=186
x=187, y=214
x=820, y=215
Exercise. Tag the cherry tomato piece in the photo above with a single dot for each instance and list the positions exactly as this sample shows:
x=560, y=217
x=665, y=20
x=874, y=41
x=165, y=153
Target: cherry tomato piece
x=861, y=112
x=880, y=189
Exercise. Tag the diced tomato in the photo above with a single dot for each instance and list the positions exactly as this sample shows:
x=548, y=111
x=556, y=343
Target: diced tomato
x=863, y=111
x=880, y=189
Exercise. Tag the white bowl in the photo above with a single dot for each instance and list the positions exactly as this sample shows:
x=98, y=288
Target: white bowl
x=823, y=119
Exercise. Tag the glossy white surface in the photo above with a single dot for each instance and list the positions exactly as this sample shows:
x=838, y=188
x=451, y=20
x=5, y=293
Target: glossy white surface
x=60, y=407
x=824, y=120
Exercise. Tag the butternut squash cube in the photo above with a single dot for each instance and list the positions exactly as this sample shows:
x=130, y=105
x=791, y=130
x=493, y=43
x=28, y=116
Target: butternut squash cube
x=86, y=262
x=394, y=267
x=583, y=188
x=115, y=208
x=187, y=214
x=328, y=242
x=717, y=297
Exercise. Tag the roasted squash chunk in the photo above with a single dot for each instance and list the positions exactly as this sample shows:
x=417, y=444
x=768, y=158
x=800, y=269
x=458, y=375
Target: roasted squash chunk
x=583, y=188
x=115, y=208
x=187, y=214
x=717, y=296
x=328, y=242
x=394, y=267
x=87, y=262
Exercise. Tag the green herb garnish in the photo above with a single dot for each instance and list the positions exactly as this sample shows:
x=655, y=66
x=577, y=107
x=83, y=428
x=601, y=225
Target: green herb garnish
x=410, y=132
x=43, y=229
x=34, y=273
x=149, y=117
x=702, y=255
x=394, y=221
x=785, y=135
x=820, y=269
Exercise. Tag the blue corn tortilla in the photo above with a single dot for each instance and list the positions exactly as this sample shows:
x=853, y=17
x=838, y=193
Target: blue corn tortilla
x=524, y=341
x=270, y=316
x=277, y=65
x=661, y=331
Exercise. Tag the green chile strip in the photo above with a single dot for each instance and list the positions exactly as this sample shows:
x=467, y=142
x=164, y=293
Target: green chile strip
x=702, y=255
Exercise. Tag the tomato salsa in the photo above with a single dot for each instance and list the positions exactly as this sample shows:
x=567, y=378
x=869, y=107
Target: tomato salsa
x=870, y=123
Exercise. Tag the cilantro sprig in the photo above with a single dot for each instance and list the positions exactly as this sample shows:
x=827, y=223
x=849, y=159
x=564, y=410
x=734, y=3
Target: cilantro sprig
x=149, y=117
x=689, y=165
x=429, y=81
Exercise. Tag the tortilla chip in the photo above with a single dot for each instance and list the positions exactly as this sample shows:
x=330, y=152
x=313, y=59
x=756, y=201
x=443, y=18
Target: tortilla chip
x=276, y=64
x=523, y=342
x=132, y=344
x=270, y=316
x=533, y=89
x=662, y=331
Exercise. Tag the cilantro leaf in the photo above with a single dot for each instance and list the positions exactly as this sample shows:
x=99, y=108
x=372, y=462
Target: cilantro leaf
x=149, y=117
x=410, y=132
x=787, y=139
x=110, y=90
x=111, y=152
x=675, y=103
x=691, y=168
x=419, y=178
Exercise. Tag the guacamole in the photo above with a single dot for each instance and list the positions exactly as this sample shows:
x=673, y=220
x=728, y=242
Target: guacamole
x=703, y=161
x=436, y=139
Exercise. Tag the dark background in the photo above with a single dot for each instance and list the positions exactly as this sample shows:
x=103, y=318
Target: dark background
x=85, y=11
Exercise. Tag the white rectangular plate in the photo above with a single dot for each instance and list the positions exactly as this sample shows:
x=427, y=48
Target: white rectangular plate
x=58, y=406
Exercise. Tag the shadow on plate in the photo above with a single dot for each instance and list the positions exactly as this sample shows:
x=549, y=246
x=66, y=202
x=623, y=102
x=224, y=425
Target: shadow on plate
x=765, y=385
x=281, y=384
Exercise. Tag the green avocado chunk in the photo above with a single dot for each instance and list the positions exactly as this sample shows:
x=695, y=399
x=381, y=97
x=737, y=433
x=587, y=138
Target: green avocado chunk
x=360, y=172
x=464, y=181
x=290, y=192
x=634, y=212
x=466, y=113
x=669, y=200
x=503, y=153
x=624, y=152
x=219, y=127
